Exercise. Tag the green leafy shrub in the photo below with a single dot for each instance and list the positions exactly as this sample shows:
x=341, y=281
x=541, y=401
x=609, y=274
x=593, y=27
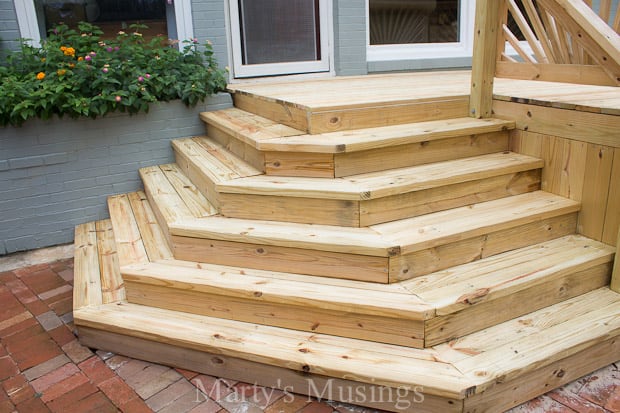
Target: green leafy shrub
x=77, y=73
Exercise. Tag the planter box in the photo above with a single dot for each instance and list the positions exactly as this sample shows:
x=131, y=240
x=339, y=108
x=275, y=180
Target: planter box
x=58, y=173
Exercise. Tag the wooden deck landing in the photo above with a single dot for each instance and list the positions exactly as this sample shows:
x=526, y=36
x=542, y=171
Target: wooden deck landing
x=401, y=88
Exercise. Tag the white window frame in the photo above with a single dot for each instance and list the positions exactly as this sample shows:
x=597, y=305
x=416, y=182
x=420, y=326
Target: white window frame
x=289, y=68
x=29, y=26
x=419, y=51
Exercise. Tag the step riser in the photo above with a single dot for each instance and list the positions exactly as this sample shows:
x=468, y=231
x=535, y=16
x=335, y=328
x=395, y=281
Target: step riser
x=481, y=315
x=507, y=394
x=403, y=332
x=326, y=165
x=368, y=268
x=375, y=211
x=458, y=252
x=396, y=399
x=353, y=118
x=422, y=153
x=282, y=259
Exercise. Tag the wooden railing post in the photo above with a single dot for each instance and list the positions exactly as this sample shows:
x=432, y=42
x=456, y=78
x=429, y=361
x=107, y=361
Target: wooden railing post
x=615, y=275
x=485, y=57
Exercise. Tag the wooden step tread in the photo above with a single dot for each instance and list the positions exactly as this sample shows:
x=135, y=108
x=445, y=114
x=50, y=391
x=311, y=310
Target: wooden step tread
x=266, y=135
x=216, y=162
x=384, y=136
x=247, y=127
x=428, y=311
x=497, y=276
x=431, y=230
x=279, y=291
x=386, y=183
x=447, y=291
x=137, y=234
x=390, y=239
x=518, y=347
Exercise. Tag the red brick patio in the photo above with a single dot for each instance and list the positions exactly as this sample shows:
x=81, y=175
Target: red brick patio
x=43, y=367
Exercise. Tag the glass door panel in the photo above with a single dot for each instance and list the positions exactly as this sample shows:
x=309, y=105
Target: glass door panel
x=277, y=37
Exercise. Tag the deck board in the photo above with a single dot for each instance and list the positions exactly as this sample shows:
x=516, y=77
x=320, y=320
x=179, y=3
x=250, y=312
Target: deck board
x=340, y=92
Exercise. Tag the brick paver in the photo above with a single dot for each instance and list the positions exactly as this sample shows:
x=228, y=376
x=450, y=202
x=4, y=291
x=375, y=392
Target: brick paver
x=44, y=368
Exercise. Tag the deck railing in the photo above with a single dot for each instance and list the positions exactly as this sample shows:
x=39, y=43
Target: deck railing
x=552, y=40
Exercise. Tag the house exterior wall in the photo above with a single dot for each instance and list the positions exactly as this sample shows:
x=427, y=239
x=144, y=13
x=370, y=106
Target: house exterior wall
x=9, y=29
x=209, y=19
x=350, y=37
x=58, y=173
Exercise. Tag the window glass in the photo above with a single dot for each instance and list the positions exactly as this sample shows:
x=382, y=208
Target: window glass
x=111, y=16
x=414, y=21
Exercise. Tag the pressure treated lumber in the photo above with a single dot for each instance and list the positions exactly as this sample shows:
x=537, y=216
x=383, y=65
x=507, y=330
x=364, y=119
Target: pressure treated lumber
x=271, y=377
x=486, y=34
x=112, y=283
x=129, y=245
x=153, y=237
x=615, y=278
x=87, y=278
x=432, y=309
x=594, y=128
x=381, y=137
x=368, y=199
x=265, y=135
x=300, y=351
x=474, y=296
x=343, y=311
x=247, y=127
x=586, y=317
x=413, y=246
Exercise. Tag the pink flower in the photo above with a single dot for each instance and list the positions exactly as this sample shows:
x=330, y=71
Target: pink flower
x=117, y=98
x=109, y=49
x=104, y=70
x=140, y=79
x=88, y=58
x=148, y=76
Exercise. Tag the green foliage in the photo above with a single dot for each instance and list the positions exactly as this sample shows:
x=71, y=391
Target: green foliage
x=77, y=73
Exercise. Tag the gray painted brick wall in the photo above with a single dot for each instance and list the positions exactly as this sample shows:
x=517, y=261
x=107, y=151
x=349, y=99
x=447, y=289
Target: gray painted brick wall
x=56, y=174
x=209, y=18
x=350, y=37
x=9, y=30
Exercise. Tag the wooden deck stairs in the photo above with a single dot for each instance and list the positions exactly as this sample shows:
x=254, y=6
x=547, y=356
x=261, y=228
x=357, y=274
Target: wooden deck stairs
x=409, y=265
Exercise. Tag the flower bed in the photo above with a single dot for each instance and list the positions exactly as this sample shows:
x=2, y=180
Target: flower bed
x=77, y=73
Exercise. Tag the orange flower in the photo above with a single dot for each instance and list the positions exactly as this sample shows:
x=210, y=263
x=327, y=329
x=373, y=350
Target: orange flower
x=69, y=51
x=61, y=72
x=71, y=65
x=80, y=59
x=63, y=48
x=43, y=59
x=40, y=76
